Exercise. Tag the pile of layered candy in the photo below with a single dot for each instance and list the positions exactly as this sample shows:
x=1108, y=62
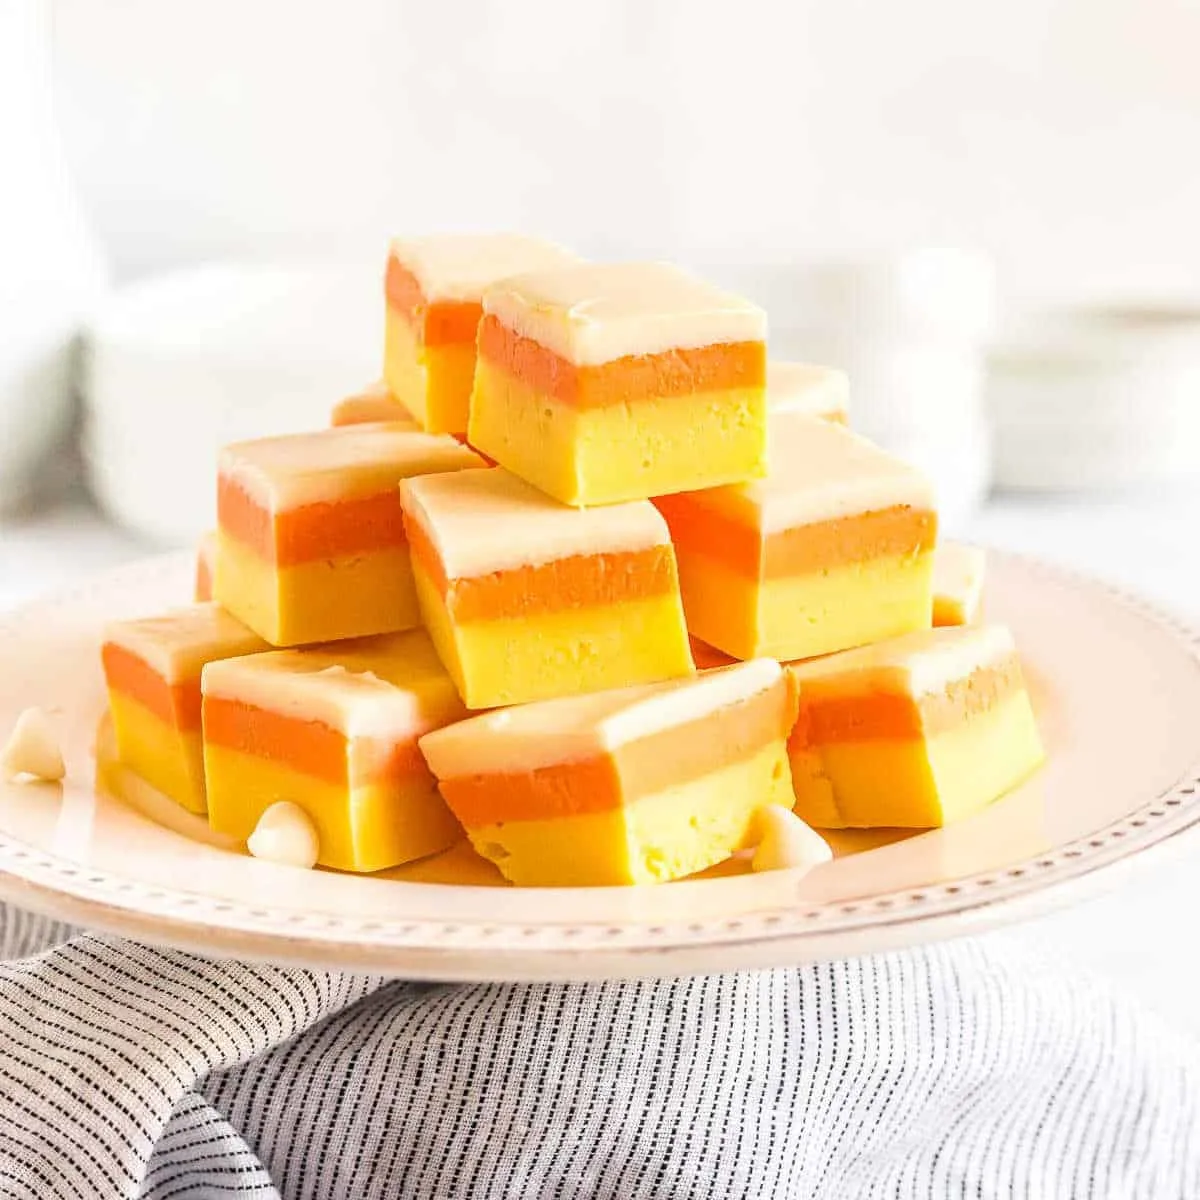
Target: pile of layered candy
x=665, y=576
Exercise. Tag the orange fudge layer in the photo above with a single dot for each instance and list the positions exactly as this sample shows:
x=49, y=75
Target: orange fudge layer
x=706, y=656
x=434, y=290
x=833, y=549
x=206, y=567
x=916, y=731
x=635, y=785
x=602, y=384
x=526, y=599
x=373, y=404
x=699, y=521
x=334, y=730
x=309, y=747
x=152, y=668
x=578, y=581
x=312, y=544
x=624, y=380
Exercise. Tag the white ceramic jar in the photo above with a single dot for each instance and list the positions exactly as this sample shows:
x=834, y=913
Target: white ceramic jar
x=1098, y=399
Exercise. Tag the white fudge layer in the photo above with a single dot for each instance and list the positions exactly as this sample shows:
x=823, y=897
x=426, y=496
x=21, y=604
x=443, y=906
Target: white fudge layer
x=348, y=461
x=590, y=315
x=489, y=520
x=461, y=266
x=576, y=728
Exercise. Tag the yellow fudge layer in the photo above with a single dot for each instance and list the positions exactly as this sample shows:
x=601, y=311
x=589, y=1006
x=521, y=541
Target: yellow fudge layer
x=663, y=835
x=805, y=615
x=432, y=382
x=918, y=784
x=168, y=758
x=359, y=829
x=647, y=447
x=515, y=660
x=812, y=788
x=324, y=600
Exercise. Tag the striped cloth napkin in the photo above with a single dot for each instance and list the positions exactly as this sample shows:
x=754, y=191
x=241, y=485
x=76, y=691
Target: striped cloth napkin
x=954, y=1071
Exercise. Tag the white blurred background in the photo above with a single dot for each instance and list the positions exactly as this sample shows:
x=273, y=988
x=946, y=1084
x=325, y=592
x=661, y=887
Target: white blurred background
x=1054, y=133
x=1049, y=144
x=1044, y=143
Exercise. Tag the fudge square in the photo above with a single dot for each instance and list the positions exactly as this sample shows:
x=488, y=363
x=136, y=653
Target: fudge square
x=434, y=287
x=369, y=406
x=152, y=668
x=634, y=785
x=614, y=382
x=958, y=575
x=333, y=729
x=917, y=731
x=310, y=534
x=805, y=388
x=527, y=599
x=833, y=549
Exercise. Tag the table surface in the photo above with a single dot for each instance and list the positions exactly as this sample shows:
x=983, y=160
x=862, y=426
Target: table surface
x=1147, y=543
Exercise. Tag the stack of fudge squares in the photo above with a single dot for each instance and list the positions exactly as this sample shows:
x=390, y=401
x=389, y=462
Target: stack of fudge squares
x=584, y=577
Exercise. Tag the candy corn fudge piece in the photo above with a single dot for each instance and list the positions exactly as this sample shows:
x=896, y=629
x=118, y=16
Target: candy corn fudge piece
x=833, y=549
x=334, y=730
x=958, y=573
x=435, y=289
x=152, y=667
x=634, y=785
x=616, y=382
x=528, y=599
x=804, y=388
x=206, y=567
x=311, y=536
x=917, y=731
x=374, y=403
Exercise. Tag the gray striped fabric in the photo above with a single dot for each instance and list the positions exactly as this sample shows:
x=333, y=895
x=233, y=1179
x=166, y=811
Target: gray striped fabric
x=954, y=1071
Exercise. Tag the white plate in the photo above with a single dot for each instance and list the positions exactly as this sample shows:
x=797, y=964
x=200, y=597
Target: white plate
x=1116, y=686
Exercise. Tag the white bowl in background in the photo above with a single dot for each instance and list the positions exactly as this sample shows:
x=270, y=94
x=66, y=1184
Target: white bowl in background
x=1100, y=398
x=180, y=364
x=53, y=271
x=37, y=398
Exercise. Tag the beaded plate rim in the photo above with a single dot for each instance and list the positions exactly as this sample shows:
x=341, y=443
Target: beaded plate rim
x=500, y=949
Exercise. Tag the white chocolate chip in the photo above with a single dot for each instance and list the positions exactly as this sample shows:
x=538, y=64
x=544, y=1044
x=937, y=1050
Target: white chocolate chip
x=285, y=834
x=786, y=843
x=32, y=749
